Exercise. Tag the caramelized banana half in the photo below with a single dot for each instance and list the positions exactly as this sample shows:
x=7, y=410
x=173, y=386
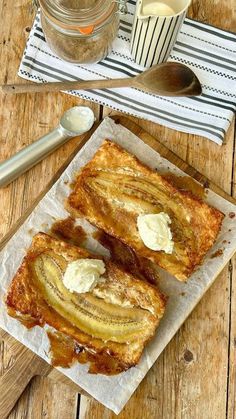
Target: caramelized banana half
x=138, y=195
x=90, y=314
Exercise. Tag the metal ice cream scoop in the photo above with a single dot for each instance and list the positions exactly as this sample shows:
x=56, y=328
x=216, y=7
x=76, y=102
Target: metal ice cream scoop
x=75, y=121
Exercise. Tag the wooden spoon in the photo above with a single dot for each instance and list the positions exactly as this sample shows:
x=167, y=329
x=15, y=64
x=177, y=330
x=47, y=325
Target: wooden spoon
x=167, y=79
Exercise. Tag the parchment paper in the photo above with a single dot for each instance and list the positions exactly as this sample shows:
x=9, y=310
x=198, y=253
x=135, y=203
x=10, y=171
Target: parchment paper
x=115, y=391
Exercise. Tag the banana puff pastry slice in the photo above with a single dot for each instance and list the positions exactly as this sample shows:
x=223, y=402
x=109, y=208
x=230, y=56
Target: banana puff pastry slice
x=128, y=200
x=105, y=315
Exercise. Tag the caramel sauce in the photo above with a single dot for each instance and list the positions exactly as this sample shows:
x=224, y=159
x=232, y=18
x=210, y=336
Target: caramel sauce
x=186, y=183
x=124, y=256
x=34, y=310
x=62, y=350
x=219, y=252
x=101, y=364
x=25, y=302
x=68, y=231
x=72, y=184
x=26, y=320
x=65, y=351
x=121, y=254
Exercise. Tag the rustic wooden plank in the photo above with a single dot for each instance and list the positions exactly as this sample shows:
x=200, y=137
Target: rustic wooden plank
x=80, y=141
x=17, y=377
x=211, y=12
x=27, y=189
x=182, y=383
x=165, y=152
x=25, y=109
x=144, y=136
x=24, y=119
x=25, y=365
x=46, y=399
x=231, y=390
x=62, y=400
x=231, y=393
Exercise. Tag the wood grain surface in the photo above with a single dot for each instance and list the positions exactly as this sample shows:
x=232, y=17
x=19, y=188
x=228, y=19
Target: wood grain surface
x=27, y=365
x=195, y=377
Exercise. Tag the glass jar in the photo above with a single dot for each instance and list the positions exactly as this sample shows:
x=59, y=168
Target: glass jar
x=80, y=31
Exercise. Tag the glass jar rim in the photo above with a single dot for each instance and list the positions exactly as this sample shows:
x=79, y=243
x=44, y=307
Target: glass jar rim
x=68, y=19
x=68, y=30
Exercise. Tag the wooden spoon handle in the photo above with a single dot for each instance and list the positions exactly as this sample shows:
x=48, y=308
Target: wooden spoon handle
x=67, y=85
x=14, y=381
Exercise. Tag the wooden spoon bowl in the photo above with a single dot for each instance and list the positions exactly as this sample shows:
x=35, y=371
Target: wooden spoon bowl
x=170, y=79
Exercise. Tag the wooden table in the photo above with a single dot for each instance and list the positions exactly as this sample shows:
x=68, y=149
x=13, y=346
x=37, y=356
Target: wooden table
x=195, y=377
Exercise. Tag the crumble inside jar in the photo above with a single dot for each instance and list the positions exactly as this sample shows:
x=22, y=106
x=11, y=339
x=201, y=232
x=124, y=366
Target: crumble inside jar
x=81, y=43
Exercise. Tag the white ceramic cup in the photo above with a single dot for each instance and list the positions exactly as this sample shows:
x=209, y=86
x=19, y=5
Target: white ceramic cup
x=155, y=28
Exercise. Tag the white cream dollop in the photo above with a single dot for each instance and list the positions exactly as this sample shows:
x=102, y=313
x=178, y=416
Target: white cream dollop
x=82, y=275
x=155, y=232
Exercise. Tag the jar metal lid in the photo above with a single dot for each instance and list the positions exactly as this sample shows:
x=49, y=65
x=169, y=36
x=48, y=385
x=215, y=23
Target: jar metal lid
x=83, y=16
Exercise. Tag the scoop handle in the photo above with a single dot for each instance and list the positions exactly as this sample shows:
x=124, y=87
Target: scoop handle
x=26, y=158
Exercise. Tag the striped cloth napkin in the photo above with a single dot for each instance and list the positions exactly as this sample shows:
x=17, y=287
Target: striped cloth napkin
x=210, y=52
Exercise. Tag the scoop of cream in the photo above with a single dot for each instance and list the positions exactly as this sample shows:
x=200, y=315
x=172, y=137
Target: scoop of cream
x=155, y=232
x=82, y=275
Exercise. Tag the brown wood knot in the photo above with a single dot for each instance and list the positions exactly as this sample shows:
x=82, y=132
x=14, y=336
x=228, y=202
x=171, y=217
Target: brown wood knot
x=27, y=29
x=188, y=356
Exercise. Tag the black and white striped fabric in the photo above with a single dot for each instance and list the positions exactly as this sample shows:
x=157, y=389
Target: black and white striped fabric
x=209, y=51
x=153, y=38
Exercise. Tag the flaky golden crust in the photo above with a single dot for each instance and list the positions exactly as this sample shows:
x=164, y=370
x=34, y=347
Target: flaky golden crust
x=115, y=187
x=25, y=301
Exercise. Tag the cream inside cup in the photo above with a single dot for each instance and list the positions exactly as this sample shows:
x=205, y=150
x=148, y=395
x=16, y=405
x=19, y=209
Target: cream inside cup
x=162, y=8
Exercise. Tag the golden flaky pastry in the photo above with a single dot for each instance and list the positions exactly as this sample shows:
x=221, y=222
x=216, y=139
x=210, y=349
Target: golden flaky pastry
x=112, y=323
x=115, y=187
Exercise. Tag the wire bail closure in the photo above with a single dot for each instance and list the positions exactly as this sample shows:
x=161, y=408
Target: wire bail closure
x=123, y=9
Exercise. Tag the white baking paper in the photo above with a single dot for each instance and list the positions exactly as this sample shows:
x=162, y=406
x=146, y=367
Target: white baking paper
x=114, y=392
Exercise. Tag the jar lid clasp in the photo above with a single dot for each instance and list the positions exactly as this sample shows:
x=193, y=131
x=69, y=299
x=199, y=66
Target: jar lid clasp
x=123, y=9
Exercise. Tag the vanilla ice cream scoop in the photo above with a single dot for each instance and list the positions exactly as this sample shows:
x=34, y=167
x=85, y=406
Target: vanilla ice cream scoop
x=155, y=232
x=82, y=275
